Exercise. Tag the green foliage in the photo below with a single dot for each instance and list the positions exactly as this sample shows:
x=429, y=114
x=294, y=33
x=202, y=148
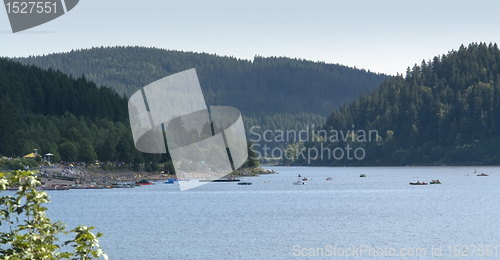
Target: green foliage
x=86, y=153
x=269, y=85
x=9, y=124
x=31, y=234
x=70, y=136
x=273, y=93
x=252, y=160
x=168, y=168
x=33, y=90
x=49, y=109
x=446, y=111
x=68, y=151
x=18, y=163
x=45, y=110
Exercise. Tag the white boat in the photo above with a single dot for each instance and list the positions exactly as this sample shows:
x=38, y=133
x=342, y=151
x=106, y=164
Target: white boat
x=299, y=183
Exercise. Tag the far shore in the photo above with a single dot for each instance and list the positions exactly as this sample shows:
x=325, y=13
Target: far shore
x=54, y=176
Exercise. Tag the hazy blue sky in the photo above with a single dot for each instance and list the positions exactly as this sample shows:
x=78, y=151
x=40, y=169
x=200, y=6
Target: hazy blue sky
x=382, y=36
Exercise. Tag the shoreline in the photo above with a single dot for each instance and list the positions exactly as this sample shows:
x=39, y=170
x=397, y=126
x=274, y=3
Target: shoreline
x=104, y=178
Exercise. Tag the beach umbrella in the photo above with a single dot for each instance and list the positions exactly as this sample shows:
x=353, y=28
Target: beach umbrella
x=48, y=155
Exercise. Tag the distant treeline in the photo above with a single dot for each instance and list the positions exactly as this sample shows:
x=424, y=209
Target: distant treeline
x=278, y=88
x=445, y=111
x=69, y=117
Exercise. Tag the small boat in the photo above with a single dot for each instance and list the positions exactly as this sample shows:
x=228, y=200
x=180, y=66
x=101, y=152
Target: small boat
x=435, y=182
x=143, y=182
x=300, y=176
x=169, y=181
x=418, y=183
x=329, y=179
x=305, y=179
x=299, y=183
x=483, y=174
x=244, y=183
x=362, y=175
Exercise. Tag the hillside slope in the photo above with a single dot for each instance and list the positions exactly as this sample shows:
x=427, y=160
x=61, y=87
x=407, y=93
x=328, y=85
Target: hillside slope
x=445, y=111
x=69, y=117
x=264, y=87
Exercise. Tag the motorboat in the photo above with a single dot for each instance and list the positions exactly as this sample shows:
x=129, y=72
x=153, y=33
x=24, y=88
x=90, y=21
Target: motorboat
x=418, y=183
x=143, y=182
x=300, y=182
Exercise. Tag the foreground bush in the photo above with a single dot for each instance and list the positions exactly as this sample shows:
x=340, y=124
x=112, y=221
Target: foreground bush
x=26, y=231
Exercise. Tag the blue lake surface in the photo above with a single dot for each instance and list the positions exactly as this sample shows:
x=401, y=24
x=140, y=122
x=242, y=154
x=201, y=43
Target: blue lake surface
x=273, y=219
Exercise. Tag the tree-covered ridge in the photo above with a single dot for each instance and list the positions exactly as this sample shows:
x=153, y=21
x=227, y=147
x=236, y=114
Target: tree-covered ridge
x=264, y=85
x=69, y=117
x=284, y=121
x=447, y=110
x=33, y=90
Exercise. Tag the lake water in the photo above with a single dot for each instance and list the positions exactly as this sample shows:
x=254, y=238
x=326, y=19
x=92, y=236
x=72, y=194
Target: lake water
x=272, y=217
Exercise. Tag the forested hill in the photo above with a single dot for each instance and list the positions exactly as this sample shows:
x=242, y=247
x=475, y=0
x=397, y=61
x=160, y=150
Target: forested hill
x=69, y=117
x=445, y=111
x=263, y=86
x=35, y=91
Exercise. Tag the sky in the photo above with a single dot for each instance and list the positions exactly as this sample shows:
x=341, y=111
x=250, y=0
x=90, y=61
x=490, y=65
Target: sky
x=380, y=36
